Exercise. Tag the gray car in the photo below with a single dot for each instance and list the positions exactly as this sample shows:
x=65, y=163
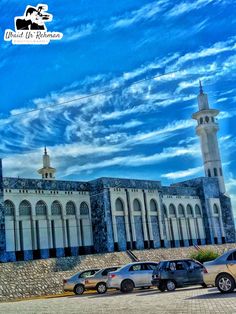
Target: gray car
x=76, y=282
x=221, y=272
x=133, y=275
x=174, y=274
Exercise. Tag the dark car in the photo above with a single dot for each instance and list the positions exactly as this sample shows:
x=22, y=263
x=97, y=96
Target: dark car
x=174, y=274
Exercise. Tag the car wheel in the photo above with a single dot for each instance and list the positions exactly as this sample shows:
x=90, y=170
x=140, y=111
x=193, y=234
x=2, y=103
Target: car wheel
x=79, y=289
x=101, y=288
x=225, y=283
x=127, y=286
x=170, y=285
x=162, y=287
x=204, y=285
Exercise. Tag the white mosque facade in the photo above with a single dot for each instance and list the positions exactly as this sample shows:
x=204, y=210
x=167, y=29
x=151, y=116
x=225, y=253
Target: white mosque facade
x=41, y=218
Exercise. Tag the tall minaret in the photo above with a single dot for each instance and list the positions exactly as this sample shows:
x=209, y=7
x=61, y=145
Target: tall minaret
x=47, y=171
x=206, y=129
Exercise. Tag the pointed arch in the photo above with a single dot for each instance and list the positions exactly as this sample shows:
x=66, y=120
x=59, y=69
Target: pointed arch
x=56, y=209
x=70, y=208
x=137, y=205
x=153, y=205
x=84, y=209
x=119, y=205
x=9, y=208
x=25, y=208
x=41, y=208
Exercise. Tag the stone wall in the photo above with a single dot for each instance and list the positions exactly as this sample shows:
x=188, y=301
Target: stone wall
x=44, y=277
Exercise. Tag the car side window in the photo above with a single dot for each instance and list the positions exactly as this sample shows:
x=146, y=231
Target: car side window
x=108, y=270
x=151, y=266
x=232, y=257
x=86, y=274
x=180, y=266
x=136, y=267
x=105, y=272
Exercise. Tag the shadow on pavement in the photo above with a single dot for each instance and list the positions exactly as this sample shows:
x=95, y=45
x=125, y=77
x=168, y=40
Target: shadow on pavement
x=213, y=295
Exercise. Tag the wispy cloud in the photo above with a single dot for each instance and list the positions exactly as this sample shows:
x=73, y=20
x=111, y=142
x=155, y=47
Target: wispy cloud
x=76, y=32
x=185, y=7
x=182, y=173
x=146, y=12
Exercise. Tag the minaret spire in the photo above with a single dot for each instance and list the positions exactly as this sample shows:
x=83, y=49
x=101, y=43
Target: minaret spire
x=200, y=87
x=47, y=172
x=207, y=131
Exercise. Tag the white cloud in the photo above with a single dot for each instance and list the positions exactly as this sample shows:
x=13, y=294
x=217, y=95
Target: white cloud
x=185, y=7
x=183, y=173
x=77, y=32
x=146, y=12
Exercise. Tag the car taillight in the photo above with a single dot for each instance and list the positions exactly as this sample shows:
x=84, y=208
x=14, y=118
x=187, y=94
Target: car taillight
x=111, y=276
x=205, y=270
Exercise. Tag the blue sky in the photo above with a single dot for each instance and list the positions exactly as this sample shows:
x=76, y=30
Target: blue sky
x=141, y=130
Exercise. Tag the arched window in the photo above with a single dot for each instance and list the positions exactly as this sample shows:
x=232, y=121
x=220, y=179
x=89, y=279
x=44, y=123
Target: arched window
x=221, y=172
x=84, y=209
x=25, y=208
x=56, y=208
x=189, y=210
x=41, y=209
x=172, y=211
x=197, y=210
x=164, y=210
x=9, y=208
x=201, y=120
x=70, y=208
x=137, y=205
x=119, y=205
x=215, y=172
x=209, y=173
x=215, y=210
x=212, y=119
x=153, y=206
x=181, y=210
x=207, y=119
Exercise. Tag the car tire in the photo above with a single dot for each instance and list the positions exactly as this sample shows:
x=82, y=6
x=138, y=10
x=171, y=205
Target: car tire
x=225, y=283
x=170, y=285
x=204, y=285
x=79, y=289
x=162, y=286
x=101, y=287
x=127, y=286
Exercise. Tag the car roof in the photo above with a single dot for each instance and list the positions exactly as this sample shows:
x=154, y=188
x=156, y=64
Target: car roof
x=179, y=260
x=139, y=262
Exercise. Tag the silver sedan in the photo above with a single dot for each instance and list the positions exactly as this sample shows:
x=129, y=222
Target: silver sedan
x=76, y=282
x=133, y=275
x=221, y=272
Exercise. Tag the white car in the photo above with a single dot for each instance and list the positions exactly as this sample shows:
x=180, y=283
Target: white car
x=133, y=275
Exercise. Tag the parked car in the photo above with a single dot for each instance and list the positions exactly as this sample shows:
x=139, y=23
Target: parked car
x=99, y=280
x=76, y=282
x=174, y=274
x=221, y=272
x=133, y=275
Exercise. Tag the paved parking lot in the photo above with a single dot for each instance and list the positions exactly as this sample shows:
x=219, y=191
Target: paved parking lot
x=189, y=300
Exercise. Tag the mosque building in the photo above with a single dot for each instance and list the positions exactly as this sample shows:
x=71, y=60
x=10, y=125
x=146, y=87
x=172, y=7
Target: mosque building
x=42, y=218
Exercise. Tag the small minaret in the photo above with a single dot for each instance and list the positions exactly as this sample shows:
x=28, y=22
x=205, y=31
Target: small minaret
x=207, y=131
x=47, y=171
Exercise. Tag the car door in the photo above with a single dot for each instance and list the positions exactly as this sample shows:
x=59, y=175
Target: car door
x=137, y=273
x=194, y=272
x=231, y=263
x=177, y=271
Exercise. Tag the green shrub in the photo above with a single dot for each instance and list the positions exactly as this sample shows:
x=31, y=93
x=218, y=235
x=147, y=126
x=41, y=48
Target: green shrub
x=204, y=255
